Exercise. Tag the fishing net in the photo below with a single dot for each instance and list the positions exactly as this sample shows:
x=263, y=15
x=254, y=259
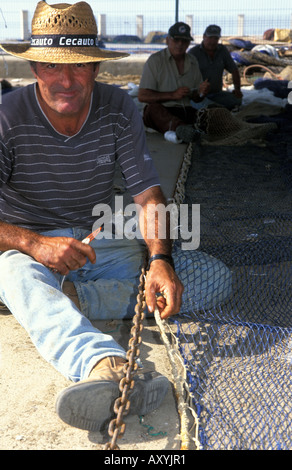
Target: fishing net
x=221, y=127
x=237, y=354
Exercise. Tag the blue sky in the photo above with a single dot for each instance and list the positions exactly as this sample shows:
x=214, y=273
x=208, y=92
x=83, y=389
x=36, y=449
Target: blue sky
x=160, y=14
x=145, y=5
x=150, y=6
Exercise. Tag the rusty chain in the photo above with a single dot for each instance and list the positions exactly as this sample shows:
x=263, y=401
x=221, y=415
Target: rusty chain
x=117, y=427
x=122, y=404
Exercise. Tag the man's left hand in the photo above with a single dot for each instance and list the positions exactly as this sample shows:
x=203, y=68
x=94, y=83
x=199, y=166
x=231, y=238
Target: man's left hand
x=237, y=93
x=161, y=279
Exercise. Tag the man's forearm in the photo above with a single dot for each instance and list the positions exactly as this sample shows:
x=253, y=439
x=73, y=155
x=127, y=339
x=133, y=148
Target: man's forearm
x=154, y=221
x=197, y=97
x=13, y=237
x=151, y=96
x=236, y=79
x=156, y=243
x=62, y=254
x=161, y=277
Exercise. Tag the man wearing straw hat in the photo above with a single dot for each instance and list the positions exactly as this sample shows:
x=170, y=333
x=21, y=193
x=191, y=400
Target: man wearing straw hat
x=59, y=141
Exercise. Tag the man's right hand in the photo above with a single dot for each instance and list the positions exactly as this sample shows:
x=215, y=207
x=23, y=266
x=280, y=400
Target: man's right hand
x=62, y=254
x=204, y=87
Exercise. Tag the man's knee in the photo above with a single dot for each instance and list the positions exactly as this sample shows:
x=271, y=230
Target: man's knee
x=159, y=117
x=226, y=99
x=151, y=114
x=8, y=272
x=7, y=264
x=207, y=280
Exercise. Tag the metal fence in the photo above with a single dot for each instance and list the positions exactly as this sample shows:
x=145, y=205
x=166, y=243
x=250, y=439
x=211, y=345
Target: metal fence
x=143, y=17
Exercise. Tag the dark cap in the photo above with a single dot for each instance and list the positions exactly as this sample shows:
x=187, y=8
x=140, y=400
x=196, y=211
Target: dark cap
x=180, y=31
x=213, y=30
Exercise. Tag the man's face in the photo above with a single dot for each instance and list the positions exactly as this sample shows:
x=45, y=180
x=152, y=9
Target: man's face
x=177, y=47
x=65, y=88
x=210, y=43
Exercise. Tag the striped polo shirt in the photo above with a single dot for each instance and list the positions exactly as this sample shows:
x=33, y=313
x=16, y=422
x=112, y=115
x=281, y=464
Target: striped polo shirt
x=49, y=180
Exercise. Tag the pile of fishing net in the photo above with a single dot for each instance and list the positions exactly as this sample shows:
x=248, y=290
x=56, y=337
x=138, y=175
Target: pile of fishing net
x=220, y=127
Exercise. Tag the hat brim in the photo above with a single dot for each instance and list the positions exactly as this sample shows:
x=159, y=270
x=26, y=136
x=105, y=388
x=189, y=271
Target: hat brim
x=212, y=35
x=189, y=38
x=61, y=55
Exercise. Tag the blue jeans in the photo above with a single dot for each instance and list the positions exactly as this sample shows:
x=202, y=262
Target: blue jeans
x=225, y=98
x=63, y=335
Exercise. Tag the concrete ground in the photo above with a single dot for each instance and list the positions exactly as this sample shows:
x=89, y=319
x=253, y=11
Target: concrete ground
x=18, y=68
x=29, y=385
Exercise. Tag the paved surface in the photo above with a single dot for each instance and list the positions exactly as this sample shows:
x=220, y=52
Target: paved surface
x=19, y=68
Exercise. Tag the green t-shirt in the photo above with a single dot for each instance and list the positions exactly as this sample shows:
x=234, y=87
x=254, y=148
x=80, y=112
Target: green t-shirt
x=160, y=73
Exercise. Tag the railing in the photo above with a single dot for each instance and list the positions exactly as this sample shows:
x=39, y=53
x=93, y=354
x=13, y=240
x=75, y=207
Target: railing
x=139, y=18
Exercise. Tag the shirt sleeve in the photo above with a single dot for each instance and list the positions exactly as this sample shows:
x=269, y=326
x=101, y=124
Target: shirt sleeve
x=5, y=160
x=149, y=75
x=132, y=152
x=229, y=63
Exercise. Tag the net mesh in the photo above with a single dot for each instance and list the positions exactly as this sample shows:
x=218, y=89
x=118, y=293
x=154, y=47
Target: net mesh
x=237, y=353
x=220, y=127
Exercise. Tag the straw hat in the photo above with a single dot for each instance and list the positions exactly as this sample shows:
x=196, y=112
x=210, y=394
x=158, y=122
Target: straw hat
x=62, y=33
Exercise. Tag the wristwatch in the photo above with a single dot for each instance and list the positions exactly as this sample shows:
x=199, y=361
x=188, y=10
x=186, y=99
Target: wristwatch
x=167, y=258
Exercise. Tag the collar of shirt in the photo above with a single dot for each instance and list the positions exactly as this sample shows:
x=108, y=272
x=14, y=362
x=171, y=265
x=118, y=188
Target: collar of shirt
x=219, y=46
x=188, y=59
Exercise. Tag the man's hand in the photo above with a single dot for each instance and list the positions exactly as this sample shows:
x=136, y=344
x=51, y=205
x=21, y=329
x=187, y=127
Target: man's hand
x=237, y=93
x=181, y=93
x=62, y=254
x=146, y=95
x=204, y=87
x=161, y=279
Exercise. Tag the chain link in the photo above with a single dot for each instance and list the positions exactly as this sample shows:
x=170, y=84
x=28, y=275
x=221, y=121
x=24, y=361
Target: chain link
x=122, y=404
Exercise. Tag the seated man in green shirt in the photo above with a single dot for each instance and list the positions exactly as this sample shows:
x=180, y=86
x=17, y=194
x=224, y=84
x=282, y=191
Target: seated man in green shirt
x=170, y=80
x=213, y=59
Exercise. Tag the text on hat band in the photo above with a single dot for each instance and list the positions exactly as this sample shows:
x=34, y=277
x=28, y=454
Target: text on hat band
x=65, y=40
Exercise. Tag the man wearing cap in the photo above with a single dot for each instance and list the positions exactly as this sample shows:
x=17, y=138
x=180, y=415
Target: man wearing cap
x=170, y=80
x=213, y=59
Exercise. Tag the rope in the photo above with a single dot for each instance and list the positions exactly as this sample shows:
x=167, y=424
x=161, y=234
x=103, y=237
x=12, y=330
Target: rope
x=188, y=432
x=179, y=192
x=261, y=66
x=184, y=404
